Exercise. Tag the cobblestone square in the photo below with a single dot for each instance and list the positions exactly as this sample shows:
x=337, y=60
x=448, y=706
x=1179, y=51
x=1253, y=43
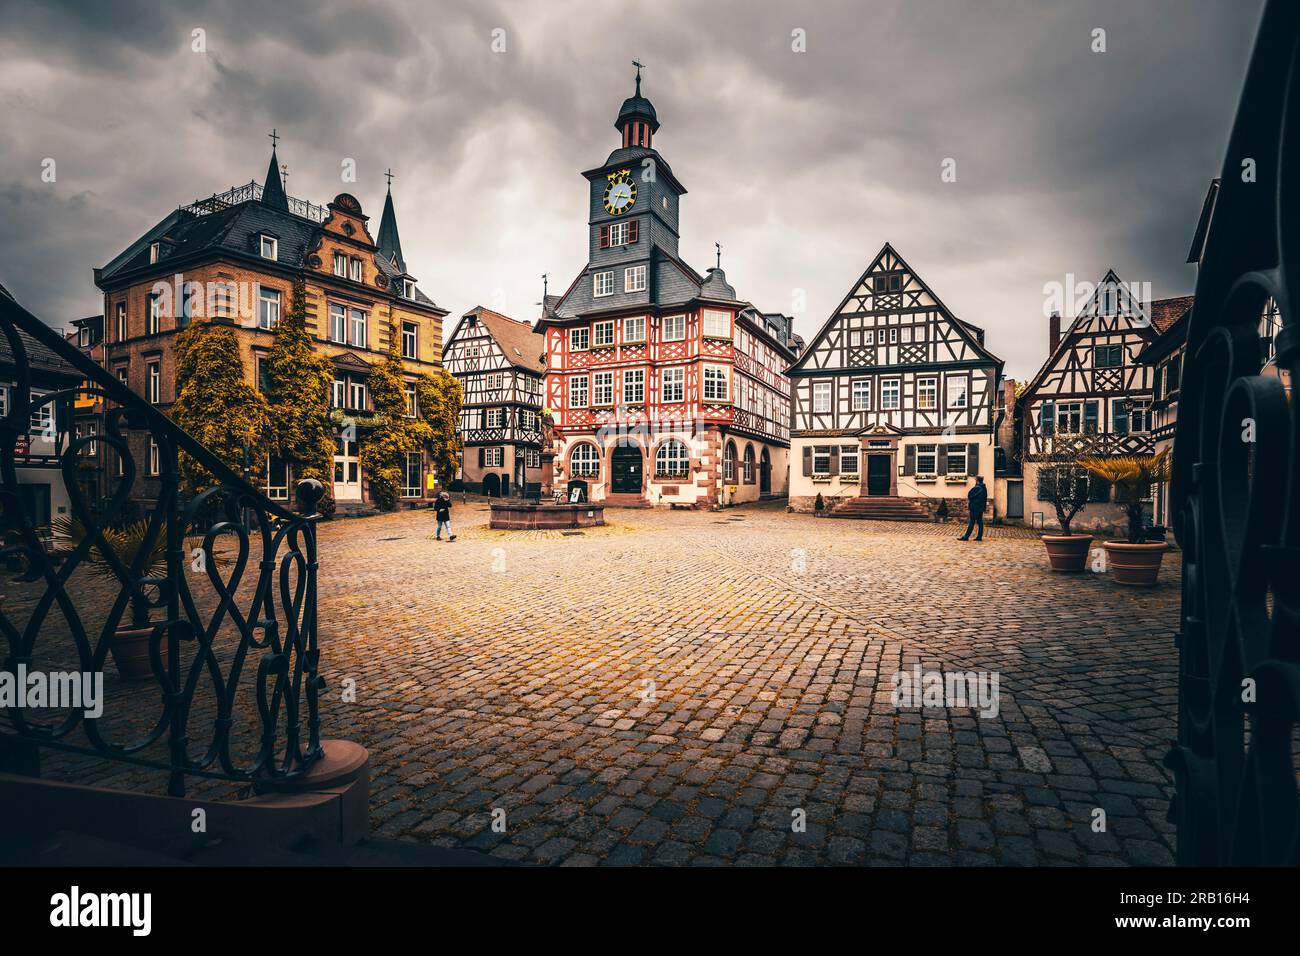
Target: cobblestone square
x=686, y=688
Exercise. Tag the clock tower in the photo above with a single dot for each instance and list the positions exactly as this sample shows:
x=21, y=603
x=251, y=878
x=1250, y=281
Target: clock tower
x=662, y=385
x=633, y=200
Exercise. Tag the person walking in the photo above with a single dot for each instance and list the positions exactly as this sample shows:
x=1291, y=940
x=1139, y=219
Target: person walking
x=976, y=500
x=442, y=511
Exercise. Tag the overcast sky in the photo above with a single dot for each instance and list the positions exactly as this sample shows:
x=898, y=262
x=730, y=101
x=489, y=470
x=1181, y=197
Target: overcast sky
x=802, y=164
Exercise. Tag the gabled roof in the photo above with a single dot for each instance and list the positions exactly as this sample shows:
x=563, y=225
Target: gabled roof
x=40, y=359
x=519, y=344
x=973, y=334
x=1162, y=313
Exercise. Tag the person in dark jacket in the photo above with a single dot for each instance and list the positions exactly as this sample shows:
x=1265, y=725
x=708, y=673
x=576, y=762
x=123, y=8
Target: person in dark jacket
x=976, y=501
x=442, y=511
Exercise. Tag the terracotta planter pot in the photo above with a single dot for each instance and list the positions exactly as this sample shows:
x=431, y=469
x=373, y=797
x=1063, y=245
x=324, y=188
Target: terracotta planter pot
x=130, y=650
x=1067, y=552
x=1137, y=565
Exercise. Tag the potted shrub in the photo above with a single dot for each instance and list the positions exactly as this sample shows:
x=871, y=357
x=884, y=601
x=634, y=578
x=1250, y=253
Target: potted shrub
x=942, y=511
x=1063, y=482
x=130, y=644
x=819, y=506
x=1137, y=560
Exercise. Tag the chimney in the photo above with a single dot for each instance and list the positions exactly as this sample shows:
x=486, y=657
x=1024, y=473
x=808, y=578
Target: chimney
x=1053, y=332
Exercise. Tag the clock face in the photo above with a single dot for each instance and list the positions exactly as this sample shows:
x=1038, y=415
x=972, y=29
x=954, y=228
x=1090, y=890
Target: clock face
x=620, y=194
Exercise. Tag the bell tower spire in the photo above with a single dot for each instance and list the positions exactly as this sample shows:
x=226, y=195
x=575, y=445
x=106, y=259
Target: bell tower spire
x=636, y=118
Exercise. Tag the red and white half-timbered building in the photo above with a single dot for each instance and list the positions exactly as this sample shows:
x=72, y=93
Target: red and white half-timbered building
x=664, y=387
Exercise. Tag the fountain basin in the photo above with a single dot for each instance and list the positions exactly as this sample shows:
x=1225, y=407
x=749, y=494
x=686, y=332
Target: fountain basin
x=528, y=515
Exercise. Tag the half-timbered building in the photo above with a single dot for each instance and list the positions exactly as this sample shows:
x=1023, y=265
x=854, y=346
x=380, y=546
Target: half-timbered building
x=894, y=401
x=664, y=385
x=1093, y=383
x=500, y=365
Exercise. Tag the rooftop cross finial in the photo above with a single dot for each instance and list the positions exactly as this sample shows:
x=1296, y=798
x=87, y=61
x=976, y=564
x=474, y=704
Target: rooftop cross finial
x=389, y=173
x=274, y=137
x=718, y=247
x=639, y=66
x=284, y=175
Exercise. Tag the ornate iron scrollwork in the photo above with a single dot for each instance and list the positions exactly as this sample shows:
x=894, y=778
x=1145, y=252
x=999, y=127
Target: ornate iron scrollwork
x=1236, y=490
x=223, y=583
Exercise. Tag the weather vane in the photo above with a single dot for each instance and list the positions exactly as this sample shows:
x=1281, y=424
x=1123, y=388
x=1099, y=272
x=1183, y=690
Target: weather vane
x=639, y=66
x=284, y=175
x=718, y=247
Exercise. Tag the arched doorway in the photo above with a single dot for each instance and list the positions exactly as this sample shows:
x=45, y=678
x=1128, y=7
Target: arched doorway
x=492, y=485
x=765, y=474
x=625, y=466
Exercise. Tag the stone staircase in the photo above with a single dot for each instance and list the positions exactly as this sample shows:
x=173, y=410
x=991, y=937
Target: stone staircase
x=882, y=508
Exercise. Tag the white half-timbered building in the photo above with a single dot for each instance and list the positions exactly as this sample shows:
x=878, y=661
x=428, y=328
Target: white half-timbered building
x=1093, y=383
x=500, y=363
x=894, y=400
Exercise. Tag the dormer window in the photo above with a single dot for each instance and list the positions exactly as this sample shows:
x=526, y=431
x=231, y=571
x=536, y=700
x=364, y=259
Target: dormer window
x=408, y=289
x=356, y=270
x=269, y=247
x=155, y=250
x=340, y=265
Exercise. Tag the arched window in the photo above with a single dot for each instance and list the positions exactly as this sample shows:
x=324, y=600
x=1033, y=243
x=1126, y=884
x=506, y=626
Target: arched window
x=729, y=463
x=584, y=460
x=749, y=464
x=672, y=460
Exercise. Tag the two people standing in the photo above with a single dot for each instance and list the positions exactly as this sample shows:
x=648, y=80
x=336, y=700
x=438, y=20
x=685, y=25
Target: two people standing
x=977, y=500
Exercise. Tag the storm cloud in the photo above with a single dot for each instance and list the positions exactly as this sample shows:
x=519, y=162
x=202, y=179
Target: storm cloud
x=802, y=164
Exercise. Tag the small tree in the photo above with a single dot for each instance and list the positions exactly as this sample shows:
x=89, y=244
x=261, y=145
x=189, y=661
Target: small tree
x=216, y=404
x=440, y=397
x=298, y=389
x=394, y=435
x=1062, y=480
x=1133, y=477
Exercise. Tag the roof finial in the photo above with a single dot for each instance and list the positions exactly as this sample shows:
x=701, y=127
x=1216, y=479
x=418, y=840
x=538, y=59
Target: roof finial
x=545, y=282
x=389, y=173
x=718, y=247
x=284, y=176
x=274, y=137
x=639, y=67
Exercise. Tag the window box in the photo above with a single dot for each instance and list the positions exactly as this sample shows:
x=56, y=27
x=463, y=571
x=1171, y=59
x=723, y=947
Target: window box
x=821, y=479
x=926, y=479
x=955, y=479
x=850, y=479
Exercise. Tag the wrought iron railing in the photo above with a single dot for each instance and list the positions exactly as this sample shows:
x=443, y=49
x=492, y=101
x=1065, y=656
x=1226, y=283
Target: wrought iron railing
x=219, y=586
x=1236, y=491
x=248, y=192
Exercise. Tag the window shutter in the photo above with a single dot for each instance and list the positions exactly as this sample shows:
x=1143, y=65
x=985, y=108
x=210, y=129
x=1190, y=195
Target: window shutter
x=942, y=464
x=972, y=459
x=807, y=459
x=1047, y=418
x=633, y=231
x=909, y=460
x=1090, y=418
x=482, y=459
x=604, y=237
x=835, y=459
x=1120, y=415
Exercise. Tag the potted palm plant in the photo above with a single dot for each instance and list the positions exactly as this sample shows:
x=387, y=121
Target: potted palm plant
x=130, y=644
x=1135, y=561
x=1063, y=482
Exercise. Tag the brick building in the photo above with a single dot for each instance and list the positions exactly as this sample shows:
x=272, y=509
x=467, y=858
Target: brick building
x=234, y=258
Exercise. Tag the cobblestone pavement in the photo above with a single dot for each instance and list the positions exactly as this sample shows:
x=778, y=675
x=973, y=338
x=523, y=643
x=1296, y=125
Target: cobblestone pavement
x=675, y=688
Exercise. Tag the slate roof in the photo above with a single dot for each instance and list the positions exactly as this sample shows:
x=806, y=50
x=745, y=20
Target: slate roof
x=388, y=241
x=39, y=358
x=184, y=234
